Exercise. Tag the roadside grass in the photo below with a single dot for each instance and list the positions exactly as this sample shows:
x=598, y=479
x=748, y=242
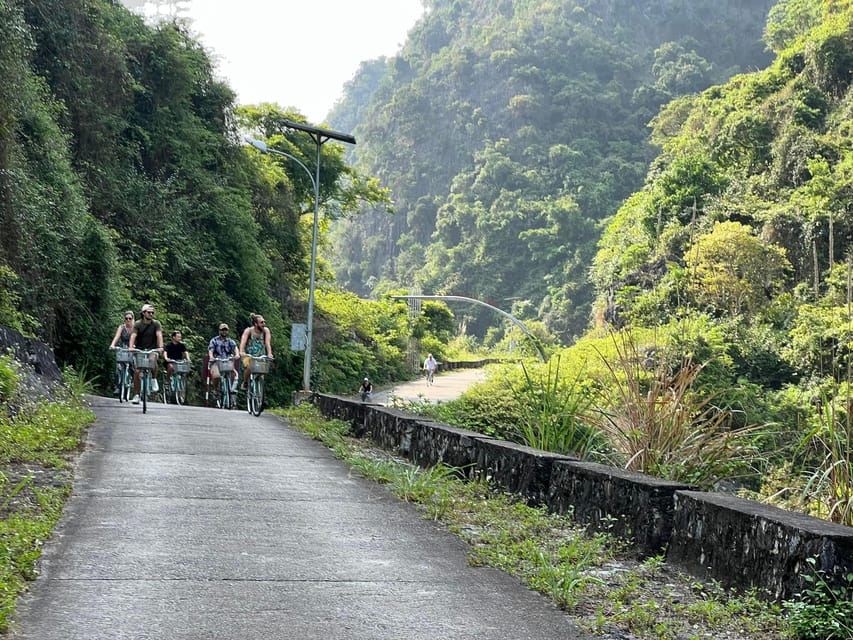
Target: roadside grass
x=39, y=441
x=596, y=578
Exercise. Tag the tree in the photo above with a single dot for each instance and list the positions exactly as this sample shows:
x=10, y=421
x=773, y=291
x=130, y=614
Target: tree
x=733, y=271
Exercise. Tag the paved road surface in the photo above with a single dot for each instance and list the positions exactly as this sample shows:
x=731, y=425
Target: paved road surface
x=447, y=386
x=193, y=523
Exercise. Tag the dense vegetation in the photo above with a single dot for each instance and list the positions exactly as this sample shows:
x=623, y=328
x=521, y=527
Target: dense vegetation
x=724, y=292
x=124, y=180
x=39, y=442
x=711, y=251
x=507, y=131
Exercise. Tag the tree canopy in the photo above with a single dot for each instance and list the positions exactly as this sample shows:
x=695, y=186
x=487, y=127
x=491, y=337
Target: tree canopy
x=507, y=131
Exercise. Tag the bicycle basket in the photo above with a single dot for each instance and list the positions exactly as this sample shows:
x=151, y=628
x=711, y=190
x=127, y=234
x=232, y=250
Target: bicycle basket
x=181, y=366
x=260, y=366
x=143, y=360
x=123, y=355
x=225, y=366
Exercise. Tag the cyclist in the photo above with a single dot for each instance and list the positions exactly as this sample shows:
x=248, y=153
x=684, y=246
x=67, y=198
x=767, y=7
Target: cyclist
x=430, y=365
x=221, y=346
x=255, y=341
x=366, y=390
x=121, y=339
x=175, y=350
x=147, y=334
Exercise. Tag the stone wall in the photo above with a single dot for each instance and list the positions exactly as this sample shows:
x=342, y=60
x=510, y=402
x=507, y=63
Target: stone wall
x=628, y=504
x=731, y=539
x=737, y=542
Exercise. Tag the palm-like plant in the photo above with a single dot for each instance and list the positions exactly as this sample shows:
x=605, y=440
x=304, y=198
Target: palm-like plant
x=659, y=423
x=830, y=484
x=552, y=414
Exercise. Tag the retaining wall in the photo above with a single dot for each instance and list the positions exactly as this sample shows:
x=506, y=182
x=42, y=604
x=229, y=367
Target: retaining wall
x=737, y=542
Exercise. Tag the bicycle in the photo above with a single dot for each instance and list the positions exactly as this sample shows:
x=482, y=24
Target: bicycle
x=176, y=389
x=142, y=360
x=224, y=393
x=124, y=373
x=259, y=366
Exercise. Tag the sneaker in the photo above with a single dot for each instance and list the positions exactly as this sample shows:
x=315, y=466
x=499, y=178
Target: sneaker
x=135, y=399
x=154, y=386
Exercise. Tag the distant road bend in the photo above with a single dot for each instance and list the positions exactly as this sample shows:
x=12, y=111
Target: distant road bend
x=447, y=386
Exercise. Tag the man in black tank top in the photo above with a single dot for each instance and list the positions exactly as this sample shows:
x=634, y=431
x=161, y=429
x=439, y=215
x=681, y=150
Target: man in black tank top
x=147, y=334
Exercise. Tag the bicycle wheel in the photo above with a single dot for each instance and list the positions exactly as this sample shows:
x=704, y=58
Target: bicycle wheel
x=143, y=389
x=256, y=396
x=224, y=393
x=250, y=392
x=120, y=381
x=127, y=385
x=179, y=391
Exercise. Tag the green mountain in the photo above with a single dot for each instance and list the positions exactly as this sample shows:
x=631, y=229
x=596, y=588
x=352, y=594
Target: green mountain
x=746, y=217
x=507, y=131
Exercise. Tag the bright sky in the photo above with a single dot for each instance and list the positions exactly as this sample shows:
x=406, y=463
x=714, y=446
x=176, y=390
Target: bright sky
x=299, y=53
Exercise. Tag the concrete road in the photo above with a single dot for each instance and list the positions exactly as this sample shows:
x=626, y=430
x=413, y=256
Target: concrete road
x=194, y=523
x=446, y=386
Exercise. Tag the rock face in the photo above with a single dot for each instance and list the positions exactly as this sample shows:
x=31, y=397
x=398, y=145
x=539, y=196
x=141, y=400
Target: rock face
x=30, y=351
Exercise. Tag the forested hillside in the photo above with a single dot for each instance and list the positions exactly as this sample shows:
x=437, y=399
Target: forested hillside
x=124, y=180
x=745, y=218
x=507, y=131
x=720, y=352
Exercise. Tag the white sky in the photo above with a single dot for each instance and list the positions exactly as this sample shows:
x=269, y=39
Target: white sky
x=299, y=53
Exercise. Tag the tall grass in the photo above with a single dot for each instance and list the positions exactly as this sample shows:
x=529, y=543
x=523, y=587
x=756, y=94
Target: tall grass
x=829, y=488
x=659, y=423
x=552, y=414
x=828, y=491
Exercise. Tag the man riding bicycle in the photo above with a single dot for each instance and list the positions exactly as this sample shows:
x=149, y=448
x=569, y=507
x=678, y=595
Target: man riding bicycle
x=255, y=341
x=222, y=347
x=430, y=367
x=366, y=390
x=147, y=334
x=175, y=350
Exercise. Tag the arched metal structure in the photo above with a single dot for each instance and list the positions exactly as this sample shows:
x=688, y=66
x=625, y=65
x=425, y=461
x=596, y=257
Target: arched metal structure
x=518, y=323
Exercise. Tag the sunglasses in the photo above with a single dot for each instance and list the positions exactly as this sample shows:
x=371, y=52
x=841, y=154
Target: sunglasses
x=128, y=317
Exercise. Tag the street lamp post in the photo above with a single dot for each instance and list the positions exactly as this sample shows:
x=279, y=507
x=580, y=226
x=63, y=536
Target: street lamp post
x=320, y=136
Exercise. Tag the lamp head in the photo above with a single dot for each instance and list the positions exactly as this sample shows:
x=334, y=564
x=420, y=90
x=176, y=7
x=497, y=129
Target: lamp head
x=260, y=145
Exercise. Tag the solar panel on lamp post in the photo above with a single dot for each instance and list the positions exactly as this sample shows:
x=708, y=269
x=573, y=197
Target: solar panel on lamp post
x=320, y=136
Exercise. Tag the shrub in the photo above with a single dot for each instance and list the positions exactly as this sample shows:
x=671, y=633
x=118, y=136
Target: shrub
x=658, y=423
x=822, y=612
